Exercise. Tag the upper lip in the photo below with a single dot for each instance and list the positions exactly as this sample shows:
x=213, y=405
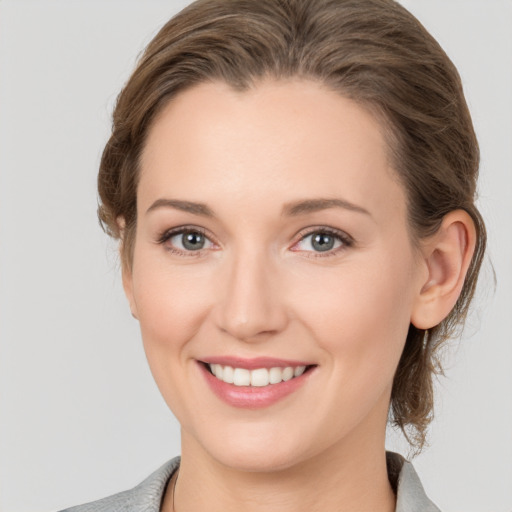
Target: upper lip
x=254, y=363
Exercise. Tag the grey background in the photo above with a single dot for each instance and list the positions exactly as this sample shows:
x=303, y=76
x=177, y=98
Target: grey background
x=80, y=416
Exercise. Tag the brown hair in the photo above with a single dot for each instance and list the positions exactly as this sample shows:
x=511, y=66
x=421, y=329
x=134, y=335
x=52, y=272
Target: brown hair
x=372, y=51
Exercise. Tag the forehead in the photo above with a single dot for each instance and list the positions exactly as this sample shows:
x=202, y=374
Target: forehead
x=276, y=139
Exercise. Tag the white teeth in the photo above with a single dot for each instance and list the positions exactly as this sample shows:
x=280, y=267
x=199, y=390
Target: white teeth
x=288, y=373
x=276, y=375
x=241, y=377
x=227, y=375
x=217, y=371
x=299, y=371
x=258, y=378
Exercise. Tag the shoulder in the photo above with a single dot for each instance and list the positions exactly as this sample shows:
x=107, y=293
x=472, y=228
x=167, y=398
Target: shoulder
x=145, y=497
x=410, y=495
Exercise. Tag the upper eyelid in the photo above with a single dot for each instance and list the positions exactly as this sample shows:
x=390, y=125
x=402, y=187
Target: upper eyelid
x=168, y=233
x=346, y=242
x=164, y=237
x=343, y=235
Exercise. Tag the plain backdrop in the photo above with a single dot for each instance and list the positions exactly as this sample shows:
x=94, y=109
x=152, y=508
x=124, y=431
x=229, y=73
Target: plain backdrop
x=80, y=416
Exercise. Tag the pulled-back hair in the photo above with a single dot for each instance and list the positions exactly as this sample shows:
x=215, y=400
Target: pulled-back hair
x=371, y=51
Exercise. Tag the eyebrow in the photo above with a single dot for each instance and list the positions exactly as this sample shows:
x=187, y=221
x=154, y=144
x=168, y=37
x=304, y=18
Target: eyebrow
x=292, y=209
x=314, y=205
x=185, y=206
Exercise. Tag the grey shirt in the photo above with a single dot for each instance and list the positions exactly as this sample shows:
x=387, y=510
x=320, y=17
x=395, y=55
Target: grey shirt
x=148, y=495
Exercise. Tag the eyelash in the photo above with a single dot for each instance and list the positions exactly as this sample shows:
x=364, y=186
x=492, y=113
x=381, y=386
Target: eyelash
x=346, y=240
x=167, y=235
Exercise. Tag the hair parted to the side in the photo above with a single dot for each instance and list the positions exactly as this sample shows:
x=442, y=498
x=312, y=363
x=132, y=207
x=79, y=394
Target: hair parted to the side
x=372, y=51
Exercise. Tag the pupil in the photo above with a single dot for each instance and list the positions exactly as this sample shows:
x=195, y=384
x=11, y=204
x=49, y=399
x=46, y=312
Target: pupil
x=193, y=241
x=323, y=242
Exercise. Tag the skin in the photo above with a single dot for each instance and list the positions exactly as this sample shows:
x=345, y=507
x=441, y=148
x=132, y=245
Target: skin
x=259, y=288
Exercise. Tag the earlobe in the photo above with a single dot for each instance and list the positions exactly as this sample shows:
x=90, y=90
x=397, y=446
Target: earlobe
x=128, y=290
x=126, y=271
x=447, y=256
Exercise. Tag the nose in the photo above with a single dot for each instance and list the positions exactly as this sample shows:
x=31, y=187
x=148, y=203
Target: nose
x=251, y=306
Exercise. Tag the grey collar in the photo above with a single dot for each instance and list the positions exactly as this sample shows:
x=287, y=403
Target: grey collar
x=410, y=495
x=147, y=496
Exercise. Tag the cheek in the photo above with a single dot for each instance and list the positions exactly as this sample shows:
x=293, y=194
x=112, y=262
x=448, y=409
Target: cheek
x=171, y=302
x=360, y=314
x=171, y=308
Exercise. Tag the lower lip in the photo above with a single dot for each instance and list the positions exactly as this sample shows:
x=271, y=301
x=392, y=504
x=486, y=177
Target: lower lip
x=252, y=397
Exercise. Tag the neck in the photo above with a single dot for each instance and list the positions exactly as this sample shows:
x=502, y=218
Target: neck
x=352, y=477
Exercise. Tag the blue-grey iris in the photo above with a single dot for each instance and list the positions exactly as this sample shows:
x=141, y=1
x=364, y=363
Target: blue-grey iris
x=322, y=242
x=193, y=241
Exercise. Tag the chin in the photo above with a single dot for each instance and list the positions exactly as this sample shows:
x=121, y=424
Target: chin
x=254, y=459
x=257, y=450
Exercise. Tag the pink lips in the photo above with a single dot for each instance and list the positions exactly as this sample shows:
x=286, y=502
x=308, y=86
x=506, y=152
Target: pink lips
x=249, y=397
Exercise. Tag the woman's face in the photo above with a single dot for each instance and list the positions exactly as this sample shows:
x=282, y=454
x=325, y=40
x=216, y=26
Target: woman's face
x=272, y=233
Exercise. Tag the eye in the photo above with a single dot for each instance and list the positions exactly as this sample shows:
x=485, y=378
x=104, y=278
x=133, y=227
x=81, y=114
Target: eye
x=185, y=240
x=323, y=240
x=189, y=241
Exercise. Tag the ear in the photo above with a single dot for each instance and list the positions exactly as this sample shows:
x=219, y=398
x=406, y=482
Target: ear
x=447, y=255
x=128, y=289
x=126, y=270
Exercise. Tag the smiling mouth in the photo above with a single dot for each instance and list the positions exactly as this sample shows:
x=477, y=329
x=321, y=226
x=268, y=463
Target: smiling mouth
x=258, y=377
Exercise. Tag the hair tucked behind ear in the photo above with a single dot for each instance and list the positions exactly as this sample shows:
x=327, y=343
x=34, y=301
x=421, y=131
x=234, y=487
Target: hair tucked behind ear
x=372, y=51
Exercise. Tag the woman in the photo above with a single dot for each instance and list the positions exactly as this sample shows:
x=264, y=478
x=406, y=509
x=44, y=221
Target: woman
x=292, y=184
